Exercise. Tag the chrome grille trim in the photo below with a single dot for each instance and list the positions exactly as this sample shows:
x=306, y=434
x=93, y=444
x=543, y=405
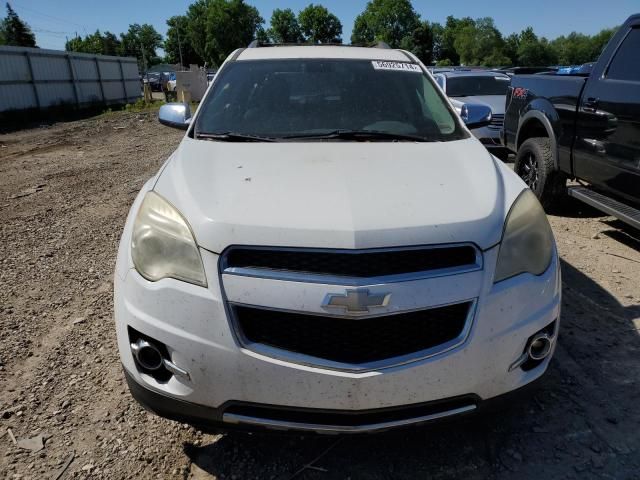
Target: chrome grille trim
x=497, y=121
x=302, y=277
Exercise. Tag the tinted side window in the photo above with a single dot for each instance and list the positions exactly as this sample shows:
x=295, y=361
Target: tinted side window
x=626, y=62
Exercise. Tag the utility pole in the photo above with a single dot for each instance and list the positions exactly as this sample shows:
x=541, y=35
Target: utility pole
x=179, y=44
x=180, y=50
x=148, y=96
x=144, y=60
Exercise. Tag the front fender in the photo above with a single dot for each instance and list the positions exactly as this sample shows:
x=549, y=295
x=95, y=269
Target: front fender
x=540, y=111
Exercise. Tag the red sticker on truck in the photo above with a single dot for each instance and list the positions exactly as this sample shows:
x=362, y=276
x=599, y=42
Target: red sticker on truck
x=520, y=92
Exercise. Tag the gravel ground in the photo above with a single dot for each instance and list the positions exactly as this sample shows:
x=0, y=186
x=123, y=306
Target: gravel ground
x=64, y=194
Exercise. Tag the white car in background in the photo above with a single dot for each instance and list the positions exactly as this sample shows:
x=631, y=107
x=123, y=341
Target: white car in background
x=473, y=87
x=330, y=250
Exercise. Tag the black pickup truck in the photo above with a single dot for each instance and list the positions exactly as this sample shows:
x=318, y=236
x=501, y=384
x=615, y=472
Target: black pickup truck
x=583, y=127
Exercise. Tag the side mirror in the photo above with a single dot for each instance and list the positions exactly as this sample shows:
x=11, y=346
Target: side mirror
x=476, y=116
x=176, y=115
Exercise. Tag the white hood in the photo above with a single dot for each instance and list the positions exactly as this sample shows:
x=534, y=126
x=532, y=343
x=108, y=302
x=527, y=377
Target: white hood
x=339, y=194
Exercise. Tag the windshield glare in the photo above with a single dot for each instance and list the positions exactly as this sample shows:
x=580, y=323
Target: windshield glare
x=312, y=97
x=469, y=86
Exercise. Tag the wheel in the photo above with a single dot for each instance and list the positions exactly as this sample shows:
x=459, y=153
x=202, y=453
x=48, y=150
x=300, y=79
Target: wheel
x=534, y=164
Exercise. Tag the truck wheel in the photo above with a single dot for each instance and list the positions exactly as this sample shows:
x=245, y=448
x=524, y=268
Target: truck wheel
x=534, y=164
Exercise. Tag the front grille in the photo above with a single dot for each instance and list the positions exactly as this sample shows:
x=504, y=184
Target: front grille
x=352, y=263
x=353, y=341
x=497, y=121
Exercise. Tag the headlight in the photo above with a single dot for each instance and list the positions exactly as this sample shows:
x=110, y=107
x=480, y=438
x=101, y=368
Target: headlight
x=162, y=244
x=527, y=241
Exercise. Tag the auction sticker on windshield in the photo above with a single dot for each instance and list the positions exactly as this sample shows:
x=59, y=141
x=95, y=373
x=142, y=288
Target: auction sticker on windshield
x=401, y=66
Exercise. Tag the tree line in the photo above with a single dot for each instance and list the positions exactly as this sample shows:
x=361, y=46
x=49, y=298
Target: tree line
x=15, y=32
x=140, y=41
x=211, y=29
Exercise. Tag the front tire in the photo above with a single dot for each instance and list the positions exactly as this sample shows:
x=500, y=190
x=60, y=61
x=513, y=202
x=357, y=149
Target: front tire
x=535, y=165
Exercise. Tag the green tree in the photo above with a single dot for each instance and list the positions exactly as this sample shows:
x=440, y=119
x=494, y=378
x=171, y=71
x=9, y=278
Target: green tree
x=93, y=43
x=423, y=42
x=196, y=30
x=262, y=35
x=533, y=51
x=445, y=62
x=447, y=38
x=573, y=49
x=390, y=21
x=480, y=43
x=14, y=31
x=319, y=25
x=511, y=44
x=361, y=33
x=96, y=43
x=284, y=27
x=217, y=27
x=141, y=41
x=577, y=48
x=76, y=44
x=437, y=32
x=497, y=58
x=177, y=47
x=110, y=44
x=464, y=44
x=600, y=40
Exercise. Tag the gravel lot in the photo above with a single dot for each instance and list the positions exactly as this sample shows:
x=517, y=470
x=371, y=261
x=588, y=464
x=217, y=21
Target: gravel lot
x=64, y=194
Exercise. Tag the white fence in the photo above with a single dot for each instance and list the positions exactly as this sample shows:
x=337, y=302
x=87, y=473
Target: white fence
x=32, y=78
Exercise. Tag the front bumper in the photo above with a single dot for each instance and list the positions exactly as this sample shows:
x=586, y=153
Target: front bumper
x=193, y=324
x=304, y=420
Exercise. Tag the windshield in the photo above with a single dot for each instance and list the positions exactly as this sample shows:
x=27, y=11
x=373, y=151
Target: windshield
x=309, y=98
x=469, y=86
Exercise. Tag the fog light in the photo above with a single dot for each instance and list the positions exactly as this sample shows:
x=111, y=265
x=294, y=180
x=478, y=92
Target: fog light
x=147, y=355
x=152, y=358
x=539, y=346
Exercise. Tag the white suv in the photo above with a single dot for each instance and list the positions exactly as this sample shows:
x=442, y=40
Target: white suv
x=329, y=249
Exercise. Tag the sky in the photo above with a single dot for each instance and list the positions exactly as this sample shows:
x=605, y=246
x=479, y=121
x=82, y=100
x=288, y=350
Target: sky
x=54, y=20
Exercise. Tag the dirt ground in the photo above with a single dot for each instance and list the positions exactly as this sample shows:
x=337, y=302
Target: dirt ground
x=64, y=193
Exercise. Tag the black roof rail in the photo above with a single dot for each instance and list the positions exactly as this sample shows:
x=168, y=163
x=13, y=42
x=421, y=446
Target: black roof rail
x=258, y=44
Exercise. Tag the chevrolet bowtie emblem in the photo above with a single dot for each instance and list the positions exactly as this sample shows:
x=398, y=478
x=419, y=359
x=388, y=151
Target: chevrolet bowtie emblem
x=356, y=302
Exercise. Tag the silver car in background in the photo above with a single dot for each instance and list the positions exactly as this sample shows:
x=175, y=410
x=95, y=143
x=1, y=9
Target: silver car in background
x=480, y=88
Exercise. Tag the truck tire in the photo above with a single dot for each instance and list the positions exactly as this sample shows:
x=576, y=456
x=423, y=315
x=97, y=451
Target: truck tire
x=534, y=164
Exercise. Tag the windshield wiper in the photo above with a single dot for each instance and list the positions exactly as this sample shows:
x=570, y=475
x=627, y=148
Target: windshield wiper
x=359, y=135
x=234, y=137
